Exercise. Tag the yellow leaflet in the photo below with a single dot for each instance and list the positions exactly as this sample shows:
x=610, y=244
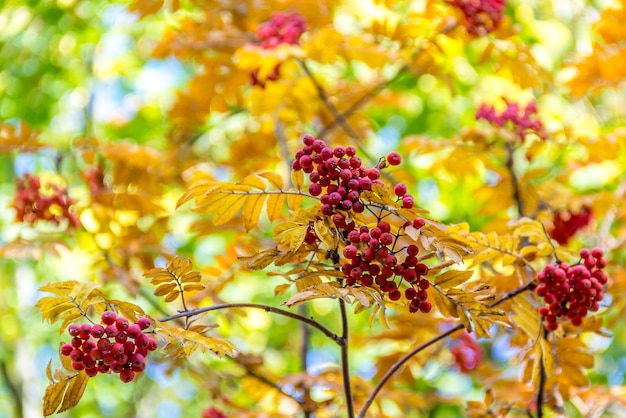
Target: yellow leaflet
x=261, y=260
x=274, y=206
x=452, y=278
x=164, y=289
x=273, y=178
x=53, y=396
x=197, y=191
x=253, y=181
x=576, y=358
x=252, y=210
x=481, y=327
x=75, y=391
x=49, y=367
x=172, y=296
x=281, y=288
x=296, y=237
x=445, y=306
x=192, y=276
x=294, y=201
x=190, y=287
x=573, y=375
x=297, y=177
x=323, y=232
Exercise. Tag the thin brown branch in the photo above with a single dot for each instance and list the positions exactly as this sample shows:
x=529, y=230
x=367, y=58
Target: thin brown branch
x=311, y=322
x=393, y=369
x=345, y=364
x=542, y=382
x=517, y=195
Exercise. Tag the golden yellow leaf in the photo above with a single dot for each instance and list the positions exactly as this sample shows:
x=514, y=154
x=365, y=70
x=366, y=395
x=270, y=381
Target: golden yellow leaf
x=74, y=392
x=172, y=296
x=261, y=260
x=297, y=177
x=165, y=289
x=274, y=206
x=252, y=210
x=253, y=181
x=281, y=288
x=273, y=178
x=53, y=396
x=452, y=278
x=190, y=287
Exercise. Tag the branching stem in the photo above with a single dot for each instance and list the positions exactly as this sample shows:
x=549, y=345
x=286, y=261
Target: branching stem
x=311, y=322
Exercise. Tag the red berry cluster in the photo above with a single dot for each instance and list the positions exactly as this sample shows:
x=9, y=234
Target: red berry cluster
x=523, y=120
x=467, y=352
x=282, y=28
x=566, y=224
x=213, y=412
x=115, y=346
x=481, y=16
x=338, y=176
x=572, y=291
x=33, y=205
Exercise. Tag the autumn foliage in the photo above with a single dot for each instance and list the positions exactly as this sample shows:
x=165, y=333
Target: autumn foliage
x=336, y=209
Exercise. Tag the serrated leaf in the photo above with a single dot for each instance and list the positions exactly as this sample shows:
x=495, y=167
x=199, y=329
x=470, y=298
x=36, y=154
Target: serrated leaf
x=74, y=392
x=252, y=210
x=281, y=288
x=193, y=286
x=452, y=278
x=53, y=396
x=274, y=206
x=164, y=289
x=275, y=179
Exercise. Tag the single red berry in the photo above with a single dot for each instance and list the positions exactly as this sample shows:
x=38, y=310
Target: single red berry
x=108, y=317
x=350, y=252
x=78, y=366
x=393, y=158
x=399, y=189
x=122, y=323
x=133, y=331
x=407, y=201
x=66, y=349
x=418, y=223
x=97, y=331
x=127, y=375
x=597, y=252
x=308, y=139
x=73, y=330
x=152, y=344
x=144, y=323
x=425, y=306
x=77, y=355
x=412, y=250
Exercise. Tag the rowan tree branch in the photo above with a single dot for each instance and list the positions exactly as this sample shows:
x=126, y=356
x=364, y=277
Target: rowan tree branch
x=393, y=369
x=345, y=364
x=309, y=321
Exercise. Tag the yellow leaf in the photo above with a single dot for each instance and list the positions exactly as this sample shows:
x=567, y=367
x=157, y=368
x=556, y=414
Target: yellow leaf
x=252, y=210
x=53, y=396
x=296, y=237
x=452, y=278
x=192, y=276
x=297, y=177
x=324, y=233
x=253, y=181
x=274, y=206
x=261, y=260
x=164, y=289
x=74, y=392
x=294, y=201
x=229, y=205
x=49, y=367
x=172, y=296
x=275, y=179
x=577, y=358
x=281, y=288
x=190, y=287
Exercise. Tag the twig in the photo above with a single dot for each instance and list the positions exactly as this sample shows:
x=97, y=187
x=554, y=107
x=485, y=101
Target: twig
x=417, y=350
x=345, y=365
x=542, y=382
x=338, y=340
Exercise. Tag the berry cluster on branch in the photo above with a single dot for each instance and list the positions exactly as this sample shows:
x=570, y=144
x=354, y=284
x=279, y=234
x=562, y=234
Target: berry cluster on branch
x=481, y=16
x=115, y=346
x=339, y=178
x=523, y=120
x=33, y=204
x=281, y=28
x=572, y=291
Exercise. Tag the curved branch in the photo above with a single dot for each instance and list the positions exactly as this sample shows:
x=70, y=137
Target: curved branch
x=311, y=322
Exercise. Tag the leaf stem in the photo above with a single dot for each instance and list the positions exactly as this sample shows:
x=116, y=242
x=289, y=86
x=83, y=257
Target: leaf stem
x=311, y=322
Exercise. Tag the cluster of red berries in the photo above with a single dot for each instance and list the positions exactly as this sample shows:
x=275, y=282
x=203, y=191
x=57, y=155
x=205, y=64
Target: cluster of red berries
x=339, y=178
x=373, y=259
x=566, y=224
x=33, y=205
x=572, y=291
x=481, y=16
x=282, y=28
x=523, y=120
x=467, y=352
x=115, y=346
x=213, y=412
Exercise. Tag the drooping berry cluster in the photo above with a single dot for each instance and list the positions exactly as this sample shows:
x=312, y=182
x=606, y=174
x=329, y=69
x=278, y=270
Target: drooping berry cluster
x=467, y=352
x=373, y=257
x=339, y=177
x=33, y=204
x=282, y=28
x=524, y=121
x=481, y=16
x=566, y=224
x=572, y=291
x=213, y=412
x=115, y=346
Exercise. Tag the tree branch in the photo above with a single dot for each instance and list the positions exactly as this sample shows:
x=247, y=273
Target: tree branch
x=311, y=322
x=542, y=380
x=427, y=344
x=14, y=389
x=345, y=365
x=514, y=180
